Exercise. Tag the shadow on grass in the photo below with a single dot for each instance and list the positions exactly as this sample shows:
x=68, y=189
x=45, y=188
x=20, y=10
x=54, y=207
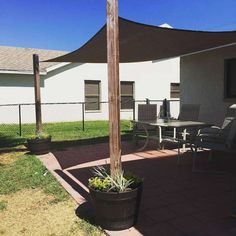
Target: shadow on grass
x=9, y=141
x=85, y=212
x=61, y=145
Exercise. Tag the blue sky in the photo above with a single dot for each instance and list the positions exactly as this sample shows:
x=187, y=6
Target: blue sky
x=68, y=24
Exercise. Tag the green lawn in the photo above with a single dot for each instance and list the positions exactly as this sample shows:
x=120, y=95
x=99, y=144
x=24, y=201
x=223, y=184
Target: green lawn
x=29, y=193
x=95, y=131
x=28, y=172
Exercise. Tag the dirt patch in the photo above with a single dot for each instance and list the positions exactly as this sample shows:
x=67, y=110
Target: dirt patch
x=29, y=212
x=9, y=157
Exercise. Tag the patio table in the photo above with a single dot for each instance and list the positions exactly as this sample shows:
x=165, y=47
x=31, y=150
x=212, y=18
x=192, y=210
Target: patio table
x=162, y=123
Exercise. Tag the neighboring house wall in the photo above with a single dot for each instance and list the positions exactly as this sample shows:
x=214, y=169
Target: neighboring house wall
x=202, y=82
x=66, y=84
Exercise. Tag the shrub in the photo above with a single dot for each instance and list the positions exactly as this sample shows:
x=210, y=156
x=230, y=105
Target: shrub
x=39, y=136
x=120, y=182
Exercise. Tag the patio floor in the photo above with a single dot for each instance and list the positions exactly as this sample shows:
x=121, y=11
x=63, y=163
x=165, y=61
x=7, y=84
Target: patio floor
x=175, y=201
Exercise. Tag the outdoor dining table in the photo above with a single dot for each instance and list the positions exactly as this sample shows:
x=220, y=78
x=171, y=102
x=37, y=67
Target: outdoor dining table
x=164, y=123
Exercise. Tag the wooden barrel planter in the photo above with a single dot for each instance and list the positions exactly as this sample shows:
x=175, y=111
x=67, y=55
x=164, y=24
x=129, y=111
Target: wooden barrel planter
x=116, y=211
x=39, y=146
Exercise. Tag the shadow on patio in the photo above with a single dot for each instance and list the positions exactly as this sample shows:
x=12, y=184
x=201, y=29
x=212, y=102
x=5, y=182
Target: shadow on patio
x=175, y=200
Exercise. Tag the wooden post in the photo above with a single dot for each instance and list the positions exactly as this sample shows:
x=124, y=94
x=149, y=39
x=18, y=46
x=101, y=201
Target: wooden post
x=113, y=86
x=37, y=94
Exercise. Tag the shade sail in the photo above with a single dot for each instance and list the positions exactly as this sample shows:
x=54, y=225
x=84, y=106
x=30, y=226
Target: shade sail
x=141, y=42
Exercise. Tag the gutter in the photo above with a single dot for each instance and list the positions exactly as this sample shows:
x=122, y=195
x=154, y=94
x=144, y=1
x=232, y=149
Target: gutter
x=47, y=70
x=20, y=72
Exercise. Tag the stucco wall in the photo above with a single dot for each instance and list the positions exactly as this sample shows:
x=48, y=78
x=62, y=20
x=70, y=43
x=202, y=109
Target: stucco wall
x=66, y=84
x=202, y=82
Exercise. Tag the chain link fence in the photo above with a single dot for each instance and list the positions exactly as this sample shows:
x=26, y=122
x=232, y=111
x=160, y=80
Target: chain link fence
x=19, y=119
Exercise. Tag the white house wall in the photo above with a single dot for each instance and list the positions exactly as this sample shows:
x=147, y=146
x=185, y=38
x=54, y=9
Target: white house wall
x=202, y=82
x=66, y=84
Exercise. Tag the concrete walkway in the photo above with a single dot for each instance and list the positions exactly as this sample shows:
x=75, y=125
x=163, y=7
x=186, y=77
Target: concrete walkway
x=175, y=201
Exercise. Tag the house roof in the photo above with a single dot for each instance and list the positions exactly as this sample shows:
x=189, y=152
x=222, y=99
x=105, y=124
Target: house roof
x=141, y=42
x=19, y=60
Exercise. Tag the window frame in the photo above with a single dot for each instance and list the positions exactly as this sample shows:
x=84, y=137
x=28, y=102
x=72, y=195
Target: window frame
x=98, y=96
x=127, y=95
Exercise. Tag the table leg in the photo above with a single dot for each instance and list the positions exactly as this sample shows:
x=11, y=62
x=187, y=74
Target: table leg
x=134, y=134
x=159, y=141
x=147, y=138
x=174, y=136
x=184, y=138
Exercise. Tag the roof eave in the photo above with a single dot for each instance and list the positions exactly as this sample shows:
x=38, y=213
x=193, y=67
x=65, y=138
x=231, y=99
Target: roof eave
x=20, y=72
x=47, y=70
x=57, y=66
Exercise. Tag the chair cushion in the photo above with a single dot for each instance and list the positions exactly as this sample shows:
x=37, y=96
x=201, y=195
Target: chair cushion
x=210, y=130
x=214, y=138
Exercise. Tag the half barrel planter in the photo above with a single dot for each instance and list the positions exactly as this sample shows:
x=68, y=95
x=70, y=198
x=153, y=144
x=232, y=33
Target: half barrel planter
x=116, y=211
x=39, y=146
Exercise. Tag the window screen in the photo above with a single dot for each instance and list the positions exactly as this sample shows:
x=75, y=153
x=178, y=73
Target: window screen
x=92, y=95
x=127, y=95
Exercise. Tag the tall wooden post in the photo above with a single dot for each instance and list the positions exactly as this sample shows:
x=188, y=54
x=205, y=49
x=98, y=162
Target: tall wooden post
x=37, y=94
x=113, y=85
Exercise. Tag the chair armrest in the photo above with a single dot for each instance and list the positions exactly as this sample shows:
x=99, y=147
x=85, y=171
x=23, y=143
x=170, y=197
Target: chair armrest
x=210, y=130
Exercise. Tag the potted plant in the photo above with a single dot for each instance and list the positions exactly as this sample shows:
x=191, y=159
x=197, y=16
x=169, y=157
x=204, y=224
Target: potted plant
x=39, y=143
x=115, y=199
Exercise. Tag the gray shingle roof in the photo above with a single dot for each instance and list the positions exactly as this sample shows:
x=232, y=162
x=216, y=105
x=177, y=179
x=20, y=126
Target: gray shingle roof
x=20, y=59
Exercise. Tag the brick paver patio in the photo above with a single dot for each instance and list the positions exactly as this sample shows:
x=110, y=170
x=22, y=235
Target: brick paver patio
x=175, y=200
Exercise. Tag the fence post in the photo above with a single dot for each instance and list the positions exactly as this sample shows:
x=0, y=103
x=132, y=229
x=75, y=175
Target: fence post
x=83, y=116
x=19, y=110
x=133, y=109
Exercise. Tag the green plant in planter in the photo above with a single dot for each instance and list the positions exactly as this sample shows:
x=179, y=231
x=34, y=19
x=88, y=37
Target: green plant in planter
x=39, y=136
x=136, y=180
x=115, y=198
x=120, y=182
x=39, y=143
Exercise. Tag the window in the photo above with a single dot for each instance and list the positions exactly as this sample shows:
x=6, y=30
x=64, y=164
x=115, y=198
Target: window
x=230, y=78
x=127, y=95
x=174, y=90
x=92, y=95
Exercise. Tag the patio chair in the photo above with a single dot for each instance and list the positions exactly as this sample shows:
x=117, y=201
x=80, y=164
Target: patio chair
x=188, y=112
x=216, y=138
x=146, y=112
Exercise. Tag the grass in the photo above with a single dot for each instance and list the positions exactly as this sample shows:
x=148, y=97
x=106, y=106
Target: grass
x=29, y=213
x=60, y=132
x=28, y=172
x=87, y=228
x=3, y=205
x=29, y=193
